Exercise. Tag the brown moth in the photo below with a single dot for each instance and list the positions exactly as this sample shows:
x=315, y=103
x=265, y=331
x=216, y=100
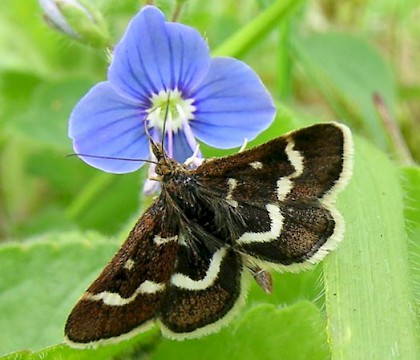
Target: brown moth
x=186, y=262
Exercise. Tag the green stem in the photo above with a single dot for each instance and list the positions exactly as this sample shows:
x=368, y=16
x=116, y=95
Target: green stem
x=88, y=195
x=177, y=12
x=396, y=139
x=284, y=63
x=248, y=36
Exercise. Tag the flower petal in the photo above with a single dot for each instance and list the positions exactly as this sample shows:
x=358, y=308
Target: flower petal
x=105, y=124
x=232, y=104
x=155, y=55
x=190, y=57
x=181, y=147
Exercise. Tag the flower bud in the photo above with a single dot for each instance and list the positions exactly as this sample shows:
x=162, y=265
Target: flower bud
x=77, y=19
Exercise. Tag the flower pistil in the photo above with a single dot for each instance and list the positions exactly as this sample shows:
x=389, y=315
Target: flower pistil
x=170, y=112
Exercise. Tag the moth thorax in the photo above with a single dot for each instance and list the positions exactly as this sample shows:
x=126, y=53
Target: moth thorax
x=167, y=167
x=181, y=186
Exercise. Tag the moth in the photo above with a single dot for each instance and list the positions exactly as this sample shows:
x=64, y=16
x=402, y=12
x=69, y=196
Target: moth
x=187, y=261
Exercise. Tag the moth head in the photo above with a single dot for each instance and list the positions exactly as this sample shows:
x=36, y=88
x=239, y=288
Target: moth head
x=157, y=150
x=165, y=165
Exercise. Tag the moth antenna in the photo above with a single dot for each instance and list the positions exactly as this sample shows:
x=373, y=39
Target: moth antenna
x=155, y=149
x=111, y=158
x=158, y=152
x=164, y=123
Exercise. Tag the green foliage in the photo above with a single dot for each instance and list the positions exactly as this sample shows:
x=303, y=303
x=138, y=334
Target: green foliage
x=61, y=221
x=411, y=185
x=42, y=272
x=373, y=265
x=342, y=66
x=305, y=337
x=56, y=288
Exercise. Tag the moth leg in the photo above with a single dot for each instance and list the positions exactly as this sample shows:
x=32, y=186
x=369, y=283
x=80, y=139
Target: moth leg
x=263, y=278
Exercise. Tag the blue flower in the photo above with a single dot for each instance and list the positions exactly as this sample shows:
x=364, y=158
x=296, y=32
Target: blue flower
x=162, y=69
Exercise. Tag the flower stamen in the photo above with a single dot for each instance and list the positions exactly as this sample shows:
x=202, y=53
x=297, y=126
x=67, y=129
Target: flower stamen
x=171, y=107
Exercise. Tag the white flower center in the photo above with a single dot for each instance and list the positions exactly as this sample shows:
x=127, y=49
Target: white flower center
x=169, y=106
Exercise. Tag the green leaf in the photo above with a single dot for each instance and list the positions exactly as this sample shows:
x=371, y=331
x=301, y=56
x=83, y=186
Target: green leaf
x=46, y=121
x=288, y=287
x=369, y=301
x=348, y=71
x=40, y=283
x=19, y=53
x=411, y=185
x=263, y=332
x=15, y=89
x=136, y=348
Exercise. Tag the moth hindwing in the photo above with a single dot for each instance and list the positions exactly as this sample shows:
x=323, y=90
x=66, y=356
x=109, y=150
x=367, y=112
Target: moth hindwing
x=186, y=261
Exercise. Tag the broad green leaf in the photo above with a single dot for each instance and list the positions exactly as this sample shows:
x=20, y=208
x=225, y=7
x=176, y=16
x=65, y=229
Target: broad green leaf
x=411, y=182
x=46, y=121
x=288, y=287
x=411, y=185
x=263, y=332
x=348, y=71
x=296, y=332
x=40, y=282
x=369, y=301
x=15, y=90
x=135, y=349
x=19, y=53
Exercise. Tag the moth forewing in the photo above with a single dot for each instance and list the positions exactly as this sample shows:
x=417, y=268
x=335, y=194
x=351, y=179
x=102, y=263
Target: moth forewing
x=285, y=192
x=125, y=299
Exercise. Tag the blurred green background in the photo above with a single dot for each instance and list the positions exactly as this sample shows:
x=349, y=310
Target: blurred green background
x=321, y=60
